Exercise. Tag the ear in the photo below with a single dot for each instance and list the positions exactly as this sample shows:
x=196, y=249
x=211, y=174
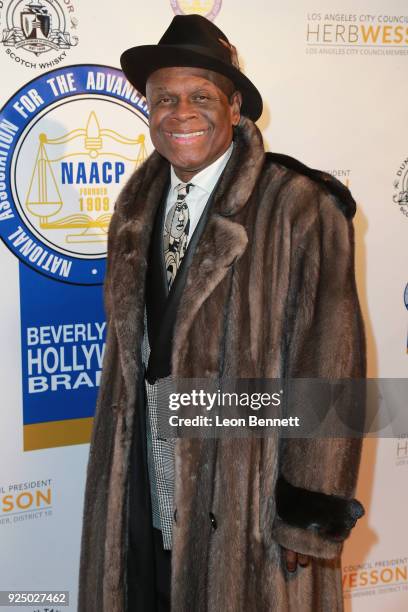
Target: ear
x=236, y=102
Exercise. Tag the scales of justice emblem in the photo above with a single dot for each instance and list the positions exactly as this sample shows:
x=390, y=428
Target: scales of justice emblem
x=94, y=168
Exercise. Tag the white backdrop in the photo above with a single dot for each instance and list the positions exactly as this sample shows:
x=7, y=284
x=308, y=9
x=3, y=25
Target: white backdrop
x=333, y=78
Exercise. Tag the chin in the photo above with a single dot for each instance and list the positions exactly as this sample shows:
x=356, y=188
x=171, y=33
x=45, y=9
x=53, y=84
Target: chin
x=191, y=164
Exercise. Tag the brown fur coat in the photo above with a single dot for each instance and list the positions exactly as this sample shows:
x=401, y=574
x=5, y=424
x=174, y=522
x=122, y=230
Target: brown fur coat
x=273, y=279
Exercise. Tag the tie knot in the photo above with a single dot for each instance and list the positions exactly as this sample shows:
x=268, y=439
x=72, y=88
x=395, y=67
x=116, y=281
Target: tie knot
x=183, y=189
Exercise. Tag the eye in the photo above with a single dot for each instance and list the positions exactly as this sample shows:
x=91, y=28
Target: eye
x=164, y=101
x=201, y=97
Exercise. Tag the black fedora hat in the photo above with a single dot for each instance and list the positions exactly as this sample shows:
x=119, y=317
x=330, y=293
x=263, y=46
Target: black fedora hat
x=191, y=41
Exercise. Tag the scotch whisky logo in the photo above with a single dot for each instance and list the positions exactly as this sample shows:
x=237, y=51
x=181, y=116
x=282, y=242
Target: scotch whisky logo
x=39, y=27
x=68, y=142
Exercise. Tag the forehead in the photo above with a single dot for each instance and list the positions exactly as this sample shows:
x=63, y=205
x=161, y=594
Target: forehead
x=181, y=77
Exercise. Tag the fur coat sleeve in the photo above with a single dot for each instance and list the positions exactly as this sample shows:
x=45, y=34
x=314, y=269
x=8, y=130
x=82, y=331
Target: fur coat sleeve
x=325, y=339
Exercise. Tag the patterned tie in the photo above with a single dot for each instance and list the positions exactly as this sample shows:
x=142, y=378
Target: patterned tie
x=175, y=234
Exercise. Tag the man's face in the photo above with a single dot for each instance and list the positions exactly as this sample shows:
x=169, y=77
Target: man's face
x=191, y=118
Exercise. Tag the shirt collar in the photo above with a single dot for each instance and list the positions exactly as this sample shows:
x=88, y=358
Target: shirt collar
x=205, y=179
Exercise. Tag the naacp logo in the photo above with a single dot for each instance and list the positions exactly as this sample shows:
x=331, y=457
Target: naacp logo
x=68, y=142
x=400, y=196
x=207, y=8
x=39, y=27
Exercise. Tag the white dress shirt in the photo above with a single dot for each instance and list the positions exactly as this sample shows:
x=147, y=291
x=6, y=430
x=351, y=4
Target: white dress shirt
x=204, y=182
x=160, y=453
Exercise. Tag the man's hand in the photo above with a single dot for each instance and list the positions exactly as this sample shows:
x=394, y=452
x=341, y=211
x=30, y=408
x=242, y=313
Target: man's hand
x=293, y=558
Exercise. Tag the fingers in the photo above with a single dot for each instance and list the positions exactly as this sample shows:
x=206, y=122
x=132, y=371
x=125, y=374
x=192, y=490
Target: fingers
x=303, y=560
x=293, y=558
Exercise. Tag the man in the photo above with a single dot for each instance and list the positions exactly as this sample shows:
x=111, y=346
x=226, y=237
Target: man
x=264, y=289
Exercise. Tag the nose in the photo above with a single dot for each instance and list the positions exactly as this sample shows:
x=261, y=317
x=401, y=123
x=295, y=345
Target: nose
x=184, y=109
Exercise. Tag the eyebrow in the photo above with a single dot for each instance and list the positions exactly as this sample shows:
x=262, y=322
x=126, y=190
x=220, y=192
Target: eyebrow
x=160, y=90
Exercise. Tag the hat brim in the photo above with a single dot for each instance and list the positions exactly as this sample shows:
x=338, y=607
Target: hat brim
x=138, y=63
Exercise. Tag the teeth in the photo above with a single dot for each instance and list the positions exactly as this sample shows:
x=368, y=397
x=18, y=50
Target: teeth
x=190, y=135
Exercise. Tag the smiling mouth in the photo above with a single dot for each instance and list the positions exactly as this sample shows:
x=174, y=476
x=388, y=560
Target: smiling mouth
x=186, y=136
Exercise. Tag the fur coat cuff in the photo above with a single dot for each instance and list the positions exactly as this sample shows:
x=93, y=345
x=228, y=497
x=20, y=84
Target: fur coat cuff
x=311, y=522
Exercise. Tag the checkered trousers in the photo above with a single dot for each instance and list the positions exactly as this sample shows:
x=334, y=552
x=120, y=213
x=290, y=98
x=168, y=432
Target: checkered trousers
x=160, y=457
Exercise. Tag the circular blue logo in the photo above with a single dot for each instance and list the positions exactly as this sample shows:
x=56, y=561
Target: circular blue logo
x=69, y=140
